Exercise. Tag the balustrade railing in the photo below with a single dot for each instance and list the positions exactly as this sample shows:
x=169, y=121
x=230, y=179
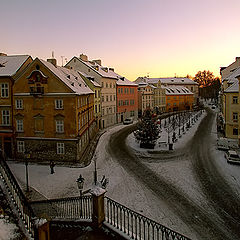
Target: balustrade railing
x=135, y=225
x=24, y=210
x=72, y=208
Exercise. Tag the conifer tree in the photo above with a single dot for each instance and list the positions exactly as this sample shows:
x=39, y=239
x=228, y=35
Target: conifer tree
x=147, y=132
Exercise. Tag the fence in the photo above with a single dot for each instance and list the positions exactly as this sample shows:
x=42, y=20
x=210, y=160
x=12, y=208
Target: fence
x=73, y=208
x=135, y=225
x=24, y=210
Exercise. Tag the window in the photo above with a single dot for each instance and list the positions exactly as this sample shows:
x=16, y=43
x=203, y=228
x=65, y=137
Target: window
x=58, y=104
x=20, y=146
x=110, y=97
x=235, y=117
x=119, y=90
x=6, y=117
x=60, y=148
x=103, y=111
x=95, y=108
x=110, y=85
x=59, y=126
x=19, y=103
x=107, y=98
x=106, y=85
x=19, y=123
x=102, y=98
x=4, y=90
x=95, y=93
x=99, y=108
x=235, y=100
x=235, y=131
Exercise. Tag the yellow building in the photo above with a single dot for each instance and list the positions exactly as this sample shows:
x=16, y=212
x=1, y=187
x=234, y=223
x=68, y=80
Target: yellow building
x=96, y=88
x=231, y=110
x=53, y=113
x=10, y=67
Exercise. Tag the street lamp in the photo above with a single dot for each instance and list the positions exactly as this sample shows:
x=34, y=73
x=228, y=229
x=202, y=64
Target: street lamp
x=27, y=157
x=80, y=182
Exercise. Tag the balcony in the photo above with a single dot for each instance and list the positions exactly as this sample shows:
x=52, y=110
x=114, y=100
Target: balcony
x=36, y=90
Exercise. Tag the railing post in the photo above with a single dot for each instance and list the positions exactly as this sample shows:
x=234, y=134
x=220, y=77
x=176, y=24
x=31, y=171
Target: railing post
x=98, y=215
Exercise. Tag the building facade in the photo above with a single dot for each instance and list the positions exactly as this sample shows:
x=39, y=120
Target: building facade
x=178, y=99
x=127, y=99
x=10, y=68
x=53, y=113
x=107, y=80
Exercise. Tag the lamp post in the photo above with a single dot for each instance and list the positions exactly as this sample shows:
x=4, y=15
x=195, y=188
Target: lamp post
x=27, y=157
x=80, y=182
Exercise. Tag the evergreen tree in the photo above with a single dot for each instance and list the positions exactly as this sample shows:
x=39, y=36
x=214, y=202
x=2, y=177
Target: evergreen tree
x=148, y=131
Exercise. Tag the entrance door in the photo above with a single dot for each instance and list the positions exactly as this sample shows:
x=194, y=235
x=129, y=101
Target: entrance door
x=103, y=123
x=8, y=149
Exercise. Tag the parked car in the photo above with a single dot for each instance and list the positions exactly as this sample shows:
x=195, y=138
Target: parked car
x=128, y=121
x=232, y=156
x=222, y=144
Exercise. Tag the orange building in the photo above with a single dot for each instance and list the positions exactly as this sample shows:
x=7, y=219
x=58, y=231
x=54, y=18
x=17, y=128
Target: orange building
x=53, y=113
x=178, y=98
x=10, y=68
x=127, y=99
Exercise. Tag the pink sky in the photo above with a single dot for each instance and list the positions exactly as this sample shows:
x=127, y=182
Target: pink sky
x=159, y=38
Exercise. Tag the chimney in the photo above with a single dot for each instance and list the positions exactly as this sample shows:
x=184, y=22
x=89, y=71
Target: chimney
x=237, y=59
x=83, y=57
x=3, y=54
x=53, y=61
x=98, y=61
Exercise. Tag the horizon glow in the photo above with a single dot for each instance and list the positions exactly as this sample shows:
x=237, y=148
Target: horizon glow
x=159, y=38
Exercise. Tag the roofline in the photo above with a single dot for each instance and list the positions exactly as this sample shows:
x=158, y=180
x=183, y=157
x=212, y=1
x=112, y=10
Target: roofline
x=28, y=56
x=89, y=67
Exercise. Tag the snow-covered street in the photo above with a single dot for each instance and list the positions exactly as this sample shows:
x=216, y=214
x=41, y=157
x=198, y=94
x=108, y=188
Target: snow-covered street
x=129, y=190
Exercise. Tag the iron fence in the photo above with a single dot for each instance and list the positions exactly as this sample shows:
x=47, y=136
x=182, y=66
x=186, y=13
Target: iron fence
x=24, y=210
x=72, y=208
x=135, y=225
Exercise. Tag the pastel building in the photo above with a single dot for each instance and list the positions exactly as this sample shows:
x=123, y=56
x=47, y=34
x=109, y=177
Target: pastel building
x=53, y=113
x=178, y=98
x=107, y=80
x=10, y=67
x=127, y=99
x=145, y=97
x=175, y=81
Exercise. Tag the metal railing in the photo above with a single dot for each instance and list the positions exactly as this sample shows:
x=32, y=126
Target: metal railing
x=135, y=225
x=72, y=208
x=24, y=210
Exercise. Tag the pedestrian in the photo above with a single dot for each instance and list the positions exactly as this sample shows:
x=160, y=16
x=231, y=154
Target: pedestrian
x=52, y=164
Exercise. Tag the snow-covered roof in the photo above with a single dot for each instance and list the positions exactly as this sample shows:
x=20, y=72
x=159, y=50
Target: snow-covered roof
x=9, y=65
x=234, y=88
x=122, y=81
x=232, y=78
x=102, y=71
x=69, y=77
x=177, y=90
x=90, y=78
x=171, y=81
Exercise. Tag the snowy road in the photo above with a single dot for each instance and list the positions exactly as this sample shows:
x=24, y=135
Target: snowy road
x=216, y=214
x=187, y=190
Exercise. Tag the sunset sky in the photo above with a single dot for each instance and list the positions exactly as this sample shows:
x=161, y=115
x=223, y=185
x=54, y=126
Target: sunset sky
x=159, y=38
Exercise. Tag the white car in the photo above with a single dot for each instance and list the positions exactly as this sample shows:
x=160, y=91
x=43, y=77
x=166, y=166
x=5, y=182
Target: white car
x=128, y=121
x=232, y=156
